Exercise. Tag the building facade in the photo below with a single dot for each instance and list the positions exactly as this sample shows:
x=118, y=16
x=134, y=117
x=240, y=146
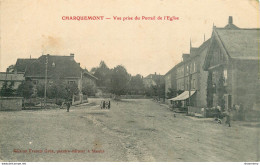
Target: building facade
x=63, y=69
x=191, y=78
x=232, y=62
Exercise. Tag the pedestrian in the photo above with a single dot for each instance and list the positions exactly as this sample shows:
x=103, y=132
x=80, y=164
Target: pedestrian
x=68, y=106
x=104, y=104
x=109, y=104
x=101, y=104
x=218, y=109
x=228, y=120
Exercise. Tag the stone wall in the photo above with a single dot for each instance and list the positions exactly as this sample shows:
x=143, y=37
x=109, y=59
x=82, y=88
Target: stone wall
x=10, y=103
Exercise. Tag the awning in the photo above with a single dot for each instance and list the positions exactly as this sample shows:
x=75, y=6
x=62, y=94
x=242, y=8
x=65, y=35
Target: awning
x=183, y=96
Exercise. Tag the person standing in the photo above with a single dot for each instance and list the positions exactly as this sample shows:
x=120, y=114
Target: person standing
x=101, y=104
x=228, y=118
x=68, y=106
x=108, y=104
x=104, y=104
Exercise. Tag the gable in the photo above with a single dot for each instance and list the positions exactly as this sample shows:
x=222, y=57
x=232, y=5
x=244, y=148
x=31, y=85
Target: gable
x=216, y=53
x=217, y=56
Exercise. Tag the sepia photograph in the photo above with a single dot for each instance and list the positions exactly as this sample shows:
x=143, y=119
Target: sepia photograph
x=129, y=81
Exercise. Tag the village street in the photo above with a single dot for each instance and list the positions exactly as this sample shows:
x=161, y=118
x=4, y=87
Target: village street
x=132, y=130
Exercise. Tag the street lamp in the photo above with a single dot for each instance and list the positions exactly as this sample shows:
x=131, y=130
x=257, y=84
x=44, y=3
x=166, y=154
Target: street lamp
x=189, y=84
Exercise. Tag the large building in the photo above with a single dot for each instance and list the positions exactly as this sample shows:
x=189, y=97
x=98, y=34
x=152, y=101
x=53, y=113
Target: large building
x=223, y=71
x=191, y=78
x=61, y=68
x=152, y=80
x=232, y=62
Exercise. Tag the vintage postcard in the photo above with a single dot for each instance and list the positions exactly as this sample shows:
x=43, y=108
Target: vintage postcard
x=129, y=81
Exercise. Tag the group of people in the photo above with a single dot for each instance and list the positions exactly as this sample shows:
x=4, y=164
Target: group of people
x=221, y=114
x=105, y=104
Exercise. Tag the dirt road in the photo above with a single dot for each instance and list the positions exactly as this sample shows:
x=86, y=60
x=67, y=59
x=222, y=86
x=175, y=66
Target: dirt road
x=132, y=130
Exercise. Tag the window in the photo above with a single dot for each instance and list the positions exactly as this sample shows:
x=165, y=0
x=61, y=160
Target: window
x=71, y=82
x=35, y=82
x=193, y=84
x=225, y=76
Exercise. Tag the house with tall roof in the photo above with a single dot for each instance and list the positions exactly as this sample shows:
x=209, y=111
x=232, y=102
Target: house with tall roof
x=232, y=62
x=21, y=64
x=63, y=68
x=152, y=80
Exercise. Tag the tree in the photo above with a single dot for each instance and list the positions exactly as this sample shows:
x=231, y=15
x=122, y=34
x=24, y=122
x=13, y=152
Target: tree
x=25, y=89
x=210, y=90
x=89, y=89
x=103, y=73
x=171, y=93
x=56, y=90
x=40, y=90
x=71, y=89
x=119, y=80
x=136, y=85
x=7, y=89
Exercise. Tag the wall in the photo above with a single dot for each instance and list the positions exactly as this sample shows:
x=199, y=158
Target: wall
x=10, y=103
x=245, y=83
x=202, y=81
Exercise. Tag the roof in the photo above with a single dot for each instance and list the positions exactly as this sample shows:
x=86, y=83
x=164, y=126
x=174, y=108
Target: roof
x=153, y=76
x=194, y=53
x=11, y=76
x=21, y=64
x=231, y=26
x=58, y=66
x=240, y=43
x=86, y=73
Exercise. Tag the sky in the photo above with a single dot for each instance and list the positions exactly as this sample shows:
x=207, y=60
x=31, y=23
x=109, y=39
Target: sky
x=30, y=28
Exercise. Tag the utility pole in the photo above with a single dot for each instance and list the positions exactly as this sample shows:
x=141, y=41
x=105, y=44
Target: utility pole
x=189, y=83
x=45, y=84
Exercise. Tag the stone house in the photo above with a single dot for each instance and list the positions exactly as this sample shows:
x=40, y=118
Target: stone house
x=63, y=68
x=188, y=76
x=232, y=62
x=153, y=79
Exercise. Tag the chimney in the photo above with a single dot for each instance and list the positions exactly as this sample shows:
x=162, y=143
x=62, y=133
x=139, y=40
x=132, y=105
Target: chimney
x=72, y=56
x=230, y=20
